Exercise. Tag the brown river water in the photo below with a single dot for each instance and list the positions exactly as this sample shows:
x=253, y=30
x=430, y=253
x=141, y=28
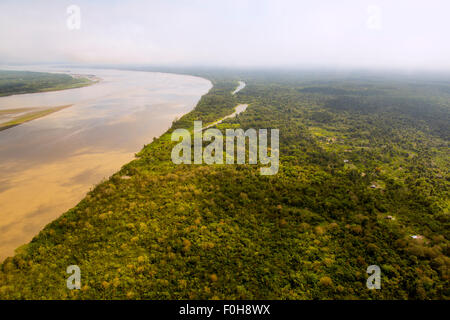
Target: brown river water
x=48, y=165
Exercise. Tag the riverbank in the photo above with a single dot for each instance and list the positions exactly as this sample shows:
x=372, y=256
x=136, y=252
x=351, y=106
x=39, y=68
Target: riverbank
x=14, y=82
x=239, y=109
x=10, y=118
x=118, y=203
x=48, y=165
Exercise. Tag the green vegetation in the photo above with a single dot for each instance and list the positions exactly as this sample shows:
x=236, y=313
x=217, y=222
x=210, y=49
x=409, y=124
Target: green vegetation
x=17, y=82
x=155, y=230
x=25, y=114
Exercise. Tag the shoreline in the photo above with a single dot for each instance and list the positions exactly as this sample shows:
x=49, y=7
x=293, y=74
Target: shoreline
x=92, y=79
x=237, y=110
x=33, y=114
x=108, y=169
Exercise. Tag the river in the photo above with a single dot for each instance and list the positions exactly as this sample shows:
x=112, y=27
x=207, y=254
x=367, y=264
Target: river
x=48, y=165
x=237, y=110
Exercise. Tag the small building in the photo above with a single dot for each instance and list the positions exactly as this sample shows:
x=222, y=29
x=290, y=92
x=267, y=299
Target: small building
x=373, y=186
x=346, y=161
x=417, y=237
x=390, y=217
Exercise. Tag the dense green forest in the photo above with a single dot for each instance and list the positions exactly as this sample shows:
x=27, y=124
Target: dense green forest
x=17, y=82
x=364, y=166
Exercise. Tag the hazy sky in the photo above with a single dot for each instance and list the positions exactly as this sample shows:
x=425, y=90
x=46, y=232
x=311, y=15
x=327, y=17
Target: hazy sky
x=409, y=34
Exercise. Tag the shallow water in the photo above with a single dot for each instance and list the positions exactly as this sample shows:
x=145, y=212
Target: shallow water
x=47, y=165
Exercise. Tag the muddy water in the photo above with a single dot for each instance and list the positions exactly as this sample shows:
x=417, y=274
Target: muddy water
x=47, y=165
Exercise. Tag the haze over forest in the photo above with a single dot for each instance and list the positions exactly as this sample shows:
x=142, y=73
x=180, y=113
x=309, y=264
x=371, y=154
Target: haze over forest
x=408, y=35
